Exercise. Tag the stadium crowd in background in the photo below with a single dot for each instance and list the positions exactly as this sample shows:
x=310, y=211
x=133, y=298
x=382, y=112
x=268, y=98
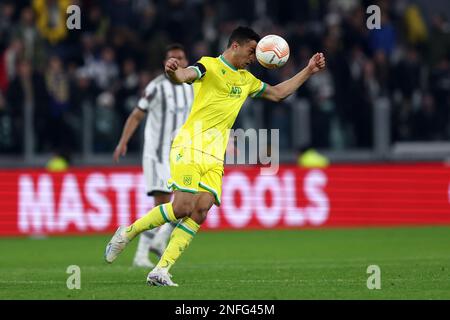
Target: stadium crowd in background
x=104, y=66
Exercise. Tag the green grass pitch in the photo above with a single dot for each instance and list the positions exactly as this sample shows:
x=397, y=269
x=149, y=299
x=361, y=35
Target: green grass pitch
x=300, y=264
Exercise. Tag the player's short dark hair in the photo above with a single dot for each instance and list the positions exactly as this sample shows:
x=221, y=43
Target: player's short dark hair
x=174, y=46
x=242, y=35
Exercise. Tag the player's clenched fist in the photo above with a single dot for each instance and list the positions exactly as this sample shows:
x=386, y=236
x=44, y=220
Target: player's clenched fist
x=171, y=65
x=317, y=63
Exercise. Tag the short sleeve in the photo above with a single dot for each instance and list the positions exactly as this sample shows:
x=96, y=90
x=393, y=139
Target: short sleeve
x=200, y=67
x=149, y=98
x=257, y=86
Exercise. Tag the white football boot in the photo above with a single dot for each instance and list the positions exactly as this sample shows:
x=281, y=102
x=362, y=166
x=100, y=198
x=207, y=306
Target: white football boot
x=160, y=277
x=161, y=239
x=118, y=242
x=142, y=262
x=141, y=258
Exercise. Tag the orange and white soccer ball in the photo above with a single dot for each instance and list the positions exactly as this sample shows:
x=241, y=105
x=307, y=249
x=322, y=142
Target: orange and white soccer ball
x=272, y=51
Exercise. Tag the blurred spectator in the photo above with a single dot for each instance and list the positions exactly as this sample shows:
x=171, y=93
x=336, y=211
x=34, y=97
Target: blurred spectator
x=408, y=74
x=415, y=28
x=103, y=70
x=88, y=50
x=57, y=82
x=440, y=89
x=364, y=87
x=121, y=13
x=439, y=42
x=383, y=72
x=128, y=96
x=147, y=18
x=406, y=88
x=13, y=53
x=51, y=19
x=93, y=75
x=96, y=22
x=210, y=24
x=338, y=68
x=7, y=10
x=82, y=100
x=355, y=31
x=323, y=108
x=57, y=163
x=125, y=44
x=106, y=126
x=33, y=44
x=8, y=137
x=425, y=120
x=27, y=90
x=385, y=38
x=310, y=158
x=4, y=79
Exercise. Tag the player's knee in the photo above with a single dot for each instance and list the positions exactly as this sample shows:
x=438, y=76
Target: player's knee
x=201, y=209
x=182, y=209
x=199, y=215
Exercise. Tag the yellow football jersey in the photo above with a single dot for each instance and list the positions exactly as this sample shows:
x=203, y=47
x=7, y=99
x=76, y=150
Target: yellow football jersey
x=219, y=93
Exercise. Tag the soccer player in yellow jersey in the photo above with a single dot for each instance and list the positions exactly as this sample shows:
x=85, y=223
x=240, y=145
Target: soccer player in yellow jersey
x=221, y=86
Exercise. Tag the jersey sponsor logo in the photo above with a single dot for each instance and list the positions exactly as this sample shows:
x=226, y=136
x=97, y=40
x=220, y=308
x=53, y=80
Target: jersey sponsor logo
x=235, y=92
x=223, y=71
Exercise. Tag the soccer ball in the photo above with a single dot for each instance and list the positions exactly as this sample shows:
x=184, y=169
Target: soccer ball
x=272, y=51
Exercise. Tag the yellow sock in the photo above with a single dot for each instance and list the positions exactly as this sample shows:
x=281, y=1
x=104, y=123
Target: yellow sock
x=179, y=240
x=154, y=218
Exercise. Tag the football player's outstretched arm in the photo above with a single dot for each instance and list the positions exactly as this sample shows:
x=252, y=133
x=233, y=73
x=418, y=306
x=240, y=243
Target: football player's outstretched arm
x=177, y=74
x=286, y=88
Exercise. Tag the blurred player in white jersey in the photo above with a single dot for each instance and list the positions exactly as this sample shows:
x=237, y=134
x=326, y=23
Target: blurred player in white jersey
x=167, y=106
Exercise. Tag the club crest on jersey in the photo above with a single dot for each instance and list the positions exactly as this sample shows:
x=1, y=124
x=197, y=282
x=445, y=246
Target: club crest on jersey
x=187, y=180
x=235, y=92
